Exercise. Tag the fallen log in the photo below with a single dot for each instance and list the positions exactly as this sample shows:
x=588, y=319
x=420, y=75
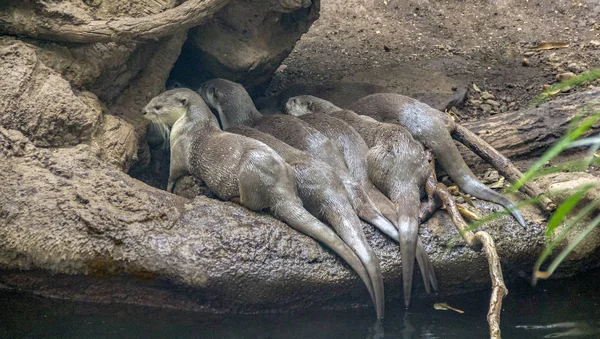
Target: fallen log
x=529, y=132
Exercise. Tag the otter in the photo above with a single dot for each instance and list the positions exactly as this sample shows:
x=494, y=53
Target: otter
x=324, y=195
x=432, y=128
x=340, y=93
x=239, y=169
x=396, y=163
x=233, y=104
x=396, y=153
x=321, y=191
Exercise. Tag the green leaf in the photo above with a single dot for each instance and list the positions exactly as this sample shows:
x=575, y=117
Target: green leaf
x=563, y=210
x=562, y=144
x=583, y=213
x=576, y=81
x=559, y=259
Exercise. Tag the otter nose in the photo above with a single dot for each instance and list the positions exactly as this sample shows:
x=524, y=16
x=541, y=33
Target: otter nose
x=144, y=111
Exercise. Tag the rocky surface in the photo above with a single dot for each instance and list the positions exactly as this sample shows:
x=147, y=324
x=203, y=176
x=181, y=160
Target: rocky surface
x=74, y=226
x=245, y=42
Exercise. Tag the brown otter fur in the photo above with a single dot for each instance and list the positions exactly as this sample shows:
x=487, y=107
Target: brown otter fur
x=234, y=106
x=397, y=164
x=238, y=168
x=324, y=195
x=432, y=128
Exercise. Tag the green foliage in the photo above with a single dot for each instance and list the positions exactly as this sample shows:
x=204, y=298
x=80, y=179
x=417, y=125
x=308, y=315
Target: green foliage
x=579, y=127
x=579, y=80
x=550, y=245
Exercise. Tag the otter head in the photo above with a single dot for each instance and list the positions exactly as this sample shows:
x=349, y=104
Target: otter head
x=163, y=111
x=305, y=104
x=167, y=107
x=230, y=100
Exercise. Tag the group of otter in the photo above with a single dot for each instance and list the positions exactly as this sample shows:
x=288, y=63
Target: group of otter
x=311, y=163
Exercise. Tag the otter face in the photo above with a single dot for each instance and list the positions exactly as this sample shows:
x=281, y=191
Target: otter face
x=221, y=94
x=305, y=104
x=167, y=107
x=298, y=106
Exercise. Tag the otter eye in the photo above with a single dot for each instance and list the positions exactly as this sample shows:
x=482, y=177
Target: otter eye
x=157, y=107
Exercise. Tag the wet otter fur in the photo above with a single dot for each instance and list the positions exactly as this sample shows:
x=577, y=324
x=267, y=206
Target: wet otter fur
x=323, y=194
x=238, y=168
x=432, y=128
x=235, y=107
x=396, y=163
x=356, y=152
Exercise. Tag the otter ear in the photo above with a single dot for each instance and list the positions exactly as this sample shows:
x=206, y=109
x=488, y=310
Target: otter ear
x=310, y=105
x=182, y=99
x=217, y=94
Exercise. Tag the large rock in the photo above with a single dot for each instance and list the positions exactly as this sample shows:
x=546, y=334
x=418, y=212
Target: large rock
x=103, y=68
x=245, y=42
x=37, y=101
x=74, y=226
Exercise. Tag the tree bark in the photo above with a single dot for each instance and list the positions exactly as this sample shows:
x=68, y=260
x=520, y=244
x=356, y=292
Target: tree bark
x=187, y=15
x=531, y=131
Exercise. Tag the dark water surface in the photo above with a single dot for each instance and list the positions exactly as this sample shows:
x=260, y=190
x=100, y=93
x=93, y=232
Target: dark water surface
x=552, y=310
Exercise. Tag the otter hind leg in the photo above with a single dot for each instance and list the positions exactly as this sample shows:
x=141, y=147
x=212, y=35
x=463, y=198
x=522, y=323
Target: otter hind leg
x=272, y=184
x=366, y=209
x=383, y=205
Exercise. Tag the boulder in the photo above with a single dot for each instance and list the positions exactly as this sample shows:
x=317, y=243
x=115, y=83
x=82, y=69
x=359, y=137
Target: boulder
x=245, y=42
x=39, y=102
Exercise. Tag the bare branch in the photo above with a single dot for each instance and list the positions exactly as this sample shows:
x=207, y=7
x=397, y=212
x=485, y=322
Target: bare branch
x=502, y=164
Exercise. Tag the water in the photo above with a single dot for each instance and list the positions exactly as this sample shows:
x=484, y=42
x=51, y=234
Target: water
x=554, y=309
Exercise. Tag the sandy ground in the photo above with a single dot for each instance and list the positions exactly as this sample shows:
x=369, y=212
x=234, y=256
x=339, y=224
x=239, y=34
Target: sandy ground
x=426, y=49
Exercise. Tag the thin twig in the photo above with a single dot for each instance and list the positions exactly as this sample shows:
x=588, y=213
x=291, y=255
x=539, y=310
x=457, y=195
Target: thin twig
x=477, y=241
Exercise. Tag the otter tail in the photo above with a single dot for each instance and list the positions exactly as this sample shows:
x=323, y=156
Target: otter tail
x=351, y=232
x=301, y=220
x=391, y=230
x=426, y=267
x=340, y=213
x=451, y=160
x=406, y=197
x=407, y=236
